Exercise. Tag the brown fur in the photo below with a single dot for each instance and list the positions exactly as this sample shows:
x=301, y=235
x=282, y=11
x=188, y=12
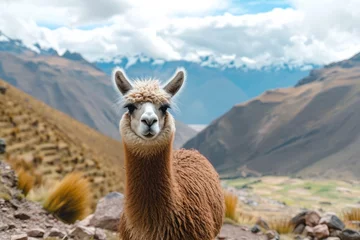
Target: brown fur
x=168, y=195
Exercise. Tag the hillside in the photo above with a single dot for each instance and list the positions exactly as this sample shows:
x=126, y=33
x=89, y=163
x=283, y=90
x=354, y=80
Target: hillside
x=56, y=144
x=309, y=130
x=67, y=83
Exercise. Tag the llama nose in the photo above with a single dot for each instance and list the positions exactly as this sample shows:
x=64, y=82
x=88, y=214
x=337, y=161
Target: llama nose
x=149, y=120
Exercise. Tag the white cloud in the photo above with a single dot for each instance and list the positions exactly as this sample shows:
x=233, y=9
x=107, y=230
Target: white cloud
x=308, y=33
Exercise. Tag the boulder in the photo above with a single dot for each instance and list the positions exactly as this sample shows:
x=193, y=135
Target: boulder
x=321, y=231
x=312, y=218
x=299, y=229
x=309, y=231
x=332, y=221
x=108, y=211
x=299, y=218
x=349, y=234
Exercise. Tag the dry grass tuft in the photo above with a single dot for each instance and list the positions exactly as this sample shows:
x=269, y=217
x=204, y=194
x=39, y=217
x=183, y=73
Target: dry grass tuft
x=71, y=198
x=231, y=202
x=352, y=214
x=282, y=225
x=25, y=181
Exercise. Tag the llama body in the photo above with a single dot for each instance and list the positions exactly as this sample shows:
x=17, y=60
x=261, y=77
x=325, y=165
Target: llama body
x=169, y=195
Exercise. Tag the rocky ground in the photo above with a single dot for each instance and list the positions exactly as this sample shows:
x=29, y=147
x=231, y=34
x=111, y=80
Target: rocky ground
x=21, y=219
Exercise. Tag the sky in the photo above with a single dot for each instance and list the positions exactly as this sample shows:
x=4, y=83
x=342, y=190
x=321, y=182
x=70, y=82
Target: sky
x=256, y=33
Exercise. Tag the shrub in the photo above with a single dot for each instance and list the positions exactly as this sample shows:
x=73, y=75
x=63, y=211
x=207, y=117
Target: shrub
x=282, y=225
x=25, y=181
x=231, y=202
x=71, y=198
x=352, y=214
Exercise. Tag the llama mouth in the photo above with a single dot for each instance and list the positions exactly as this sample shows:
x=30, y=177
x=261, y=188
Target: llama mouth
x=149, y=135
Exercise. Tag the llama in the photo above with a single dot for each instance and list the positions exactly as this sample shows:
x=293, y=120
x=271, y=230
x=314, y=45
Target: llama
x=169, y=195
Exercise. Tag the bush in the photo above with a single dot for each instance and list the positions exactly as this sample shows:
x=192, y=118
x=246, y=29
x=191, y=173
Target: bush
x=282, y=225
x=231, y=202
x=71, y=198
x=25, y=181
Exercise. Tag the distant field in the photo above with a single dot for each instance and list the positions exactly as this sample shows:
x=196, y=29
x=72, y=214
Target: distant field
x=271, y=195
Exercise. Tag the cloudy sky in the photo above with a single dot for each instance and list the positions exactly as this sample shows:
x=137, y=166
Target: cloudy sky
x=252, y=32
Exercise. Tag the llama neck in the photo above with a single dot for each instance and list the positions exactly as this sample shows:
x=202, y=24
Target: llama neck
x=150, y=187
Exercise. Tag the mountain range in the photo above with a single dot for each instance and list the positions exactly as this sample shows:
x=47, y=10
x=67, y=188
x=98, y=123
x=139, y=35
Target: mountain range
x=68, y=83
x=311, y=129
x=211, y=89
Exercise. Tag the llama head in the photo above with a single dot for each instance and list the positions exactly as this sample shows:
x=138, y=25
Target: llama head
x=147, y=120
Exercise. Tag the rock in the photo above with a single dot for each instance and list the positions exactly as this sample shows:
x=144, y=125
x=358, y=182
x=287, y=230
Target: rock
x=262, y=223
x=100, y=234
x=299, y=218
x=332, y=221
x=36, y=232
x=3, y=227
x=85, y=222
x=333, y=238
x=22, y=215
x=349, y=234
x=255, y=229
x=2, y=146
x=312, y=218
x=271, y=234
x=299, y=229
x=334, y=233
x=321, y=231
x=81, y=232
x=22, y=236
x=309, y=231
x=108, y=211
x=54, y=232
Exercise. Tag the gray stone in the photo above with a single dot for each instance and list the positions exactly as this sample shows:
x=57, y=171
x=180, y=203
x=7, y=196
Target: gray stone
x=81, y=232
x=299, y=218
x=312, y=218
x=3, y=227
x=332, y=221
x=54, y=232
x=299, y=229
x=349, y=234
x=22, y=215
x=321, y=231
x=36, y=232
x=108, y=211
x=22, y=236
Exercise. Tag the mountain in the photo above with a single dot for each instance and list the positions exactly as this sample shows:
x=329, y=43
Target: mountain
x=54, y=144
x=68, y=83
x=211, y=88
x=310, y=130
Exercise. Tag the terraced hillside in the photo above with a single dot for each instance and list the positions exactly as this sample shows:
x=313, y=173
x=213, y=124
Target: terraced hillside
x=56, y=144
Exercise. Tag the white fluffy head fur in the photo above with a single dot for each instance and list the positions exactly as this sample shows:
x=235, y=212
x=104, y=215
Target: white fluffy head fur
x=147, y=125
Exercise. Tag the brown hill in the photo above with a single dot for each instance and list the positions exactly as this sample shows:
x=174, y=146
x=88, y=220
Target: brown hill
x=310, y=130
x=72, y=85
x=56, y=144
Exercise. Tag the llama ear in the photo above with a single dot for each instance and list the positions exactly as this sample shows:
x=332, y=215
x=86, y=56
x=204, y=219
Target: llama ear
x=174, y=85
x=122, y=83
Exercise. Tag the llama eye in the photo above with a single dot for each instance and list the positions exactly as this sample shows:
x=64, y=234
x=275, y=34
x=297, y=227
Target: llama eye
x=164, y=107
x=131, y=107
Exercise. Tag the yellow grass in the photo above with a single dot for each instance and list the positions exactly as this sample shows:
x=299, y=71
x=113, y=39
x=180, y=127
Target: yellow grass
x=71, y=198
x=281, y=224
x=25, y=181
x=352, y=214
x=231, y=202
